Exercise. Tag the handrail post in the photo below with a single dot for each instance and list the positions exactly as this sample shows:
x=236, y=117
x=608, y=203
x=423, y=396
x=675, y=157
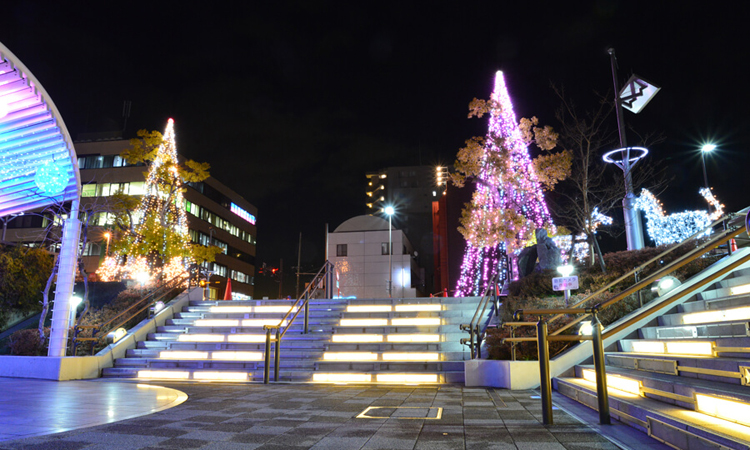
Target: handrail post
x=545, y=382
x=267, y=356
x=513, y=344
x=307, y=314
x=479, y=343
x=277, y=355
x=471, y=342
x=602, y=395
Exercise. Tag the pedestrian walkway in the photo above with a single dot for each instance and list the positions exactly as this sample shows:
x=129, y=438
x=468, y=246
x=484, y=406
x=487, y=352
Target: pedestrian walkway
x=298, y=416
x=40, y=407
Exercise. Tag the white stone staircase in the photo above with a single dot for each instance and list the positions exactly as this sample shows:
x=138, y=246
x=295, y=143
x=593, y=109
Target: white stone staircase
x=389, y=341
x=682, y=378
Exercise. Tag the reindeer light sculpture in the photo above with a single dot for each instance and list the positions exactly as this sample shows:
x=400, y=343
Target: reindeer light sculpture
x=667, y=229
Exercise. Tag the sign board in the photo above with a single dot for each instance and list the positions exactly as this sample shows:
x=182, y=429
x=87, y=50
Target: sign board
x=636, y=94
x=565, y=283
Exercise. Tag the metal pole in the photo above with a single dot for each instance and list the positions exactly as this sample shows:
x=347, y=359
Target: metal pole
x=479, y=343
x=299, y=259
x=545, y=383
x=390, y=256
x=601, y=375
x=267, y=356
x=705, y=176
x=633, y=228
x=277, y=355
x=567, y=297
x=281, y=275
x=307, y=314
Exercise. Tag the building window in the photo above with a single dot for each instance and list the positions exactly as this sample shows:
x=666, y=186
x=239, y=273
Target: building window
x=341, y=249
x=384, y=248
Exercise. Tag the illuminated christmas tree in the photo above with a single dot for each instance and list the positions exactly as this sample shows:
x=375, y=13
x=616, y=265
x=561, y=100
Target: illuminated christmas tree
x=508, y=204
x=158, y=243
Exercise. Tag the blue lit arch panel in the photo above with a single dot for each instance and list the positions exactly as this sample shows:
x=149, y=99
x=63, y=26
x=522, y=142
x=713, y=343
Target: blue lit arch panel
x=38, y=164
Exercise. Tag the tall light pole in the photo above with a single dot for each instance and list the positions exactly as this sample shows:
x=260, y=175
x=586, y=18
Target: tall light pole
x=707, y=148
x=389, y=212
x=107, y=235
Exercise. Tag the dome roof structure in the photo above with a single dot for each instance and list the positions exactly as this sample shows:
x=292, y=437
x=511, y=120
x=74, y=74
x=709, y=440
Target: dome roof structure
x=362, y=223
x=38, y=163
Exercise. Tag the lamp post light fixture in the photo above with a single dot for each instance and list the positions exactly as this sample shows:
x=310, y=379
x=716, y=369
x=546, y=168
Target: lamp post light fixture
x=389, y=212
x=107, y=235
x=707, y=148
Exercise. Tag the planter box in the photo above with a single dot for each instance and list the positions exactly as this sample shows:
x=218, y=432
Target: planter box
x=501, y=373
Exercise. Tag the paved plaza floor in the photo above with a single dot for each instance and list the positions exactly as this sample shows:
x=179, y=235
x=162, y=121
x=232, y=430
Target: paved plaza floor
x=112, y=415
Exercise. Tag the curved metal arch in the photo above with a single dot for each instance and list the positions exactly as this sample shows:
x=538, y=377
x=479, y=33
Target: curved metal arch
x=38, y=162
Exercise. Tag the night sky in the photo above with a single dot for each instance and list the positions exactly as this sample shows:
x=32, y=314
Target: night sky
x=292, y=103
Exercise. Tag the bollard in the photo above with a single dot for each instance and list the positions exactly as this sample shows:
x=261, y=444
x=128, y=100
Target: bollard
x=602, y=395
x=545, y=383
x=277, y=355
x=267, y=356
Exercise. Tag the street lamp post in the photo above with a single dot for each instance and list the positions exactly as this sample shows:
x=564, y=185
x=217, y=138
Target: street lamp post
x=707, y=148
x=107, y=235
x=389, y=212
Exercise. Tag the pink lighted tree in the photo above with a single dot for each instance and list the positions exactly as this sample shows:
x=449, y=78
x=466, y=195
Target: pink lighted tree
x=508, y=203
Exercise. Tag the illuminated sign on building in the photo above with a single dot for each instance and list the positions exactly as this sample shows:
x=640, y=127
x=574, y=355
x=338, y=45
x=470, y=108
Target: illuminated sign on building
x=242, y=213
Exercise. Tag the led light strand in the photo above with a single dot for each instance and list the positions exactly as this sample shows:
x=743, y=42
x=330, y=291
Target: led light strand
x=667, y=229
x=520, y=191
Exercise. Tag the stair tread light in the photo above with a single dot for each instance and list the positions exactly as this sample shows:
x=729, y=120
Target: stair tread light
x=416, y=321
x=700, y=348
x=723, y=408
x=357, y=338
x=350, y=356
x=718, y=315
x=342, y=377
x=164, y=374
x=363, y=322
x=368, y=308
x=407, y=378
x=220, y=376
x=419, y=308
x=413, y=338
x=411, y=356
x=618, y=382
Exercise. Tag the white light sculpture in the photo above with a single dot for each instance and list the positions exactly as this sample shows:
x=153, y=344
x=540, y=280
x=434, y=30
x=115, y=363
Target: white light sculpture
x=667, y=229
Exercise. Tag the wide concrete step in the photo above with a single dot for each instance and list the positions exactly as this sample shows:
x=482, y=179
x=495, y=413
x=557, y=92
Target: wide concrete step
x=205, y=365
x=672, y=424
x=724, y=347
x=396, y=366
x=396, y=347
x=183, y=374
x=733, y=371
x=207, y=346
x=697, y=331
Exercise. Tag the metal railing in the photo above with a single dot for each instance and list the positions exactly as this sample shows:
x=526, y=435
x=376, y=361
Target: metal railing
x=156, y=294
x=636, y=273
x=597, y=337
x=474, y=341
x=324, y=276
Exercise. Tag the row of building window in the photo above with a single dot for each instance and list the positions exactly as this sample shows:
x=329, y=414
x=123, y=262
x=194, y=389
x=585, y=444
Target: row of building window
x=221, y=271
x=107, y=189
x=218, y=222
x=103, y=162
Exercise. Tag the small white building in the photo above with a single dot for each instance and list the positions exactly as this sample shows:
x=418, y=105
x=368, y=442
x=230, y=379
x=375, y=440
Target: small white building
x=359, y=250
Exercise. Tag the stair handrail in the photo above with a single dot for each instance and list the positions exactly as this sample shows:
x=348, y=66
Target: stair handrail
x=302, y=303
x=475, y=334
x=146, y=301
x=598, y=337
x=634, y=272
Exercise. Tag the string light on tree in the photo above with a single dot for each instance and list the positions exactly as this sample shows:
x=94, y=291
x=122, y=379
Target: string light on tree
x=508, y=204
x=159, y=243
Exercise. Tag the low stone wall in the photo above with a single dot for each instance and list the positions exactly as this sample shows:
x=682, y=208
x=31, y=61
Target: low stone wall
x=87, y=367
